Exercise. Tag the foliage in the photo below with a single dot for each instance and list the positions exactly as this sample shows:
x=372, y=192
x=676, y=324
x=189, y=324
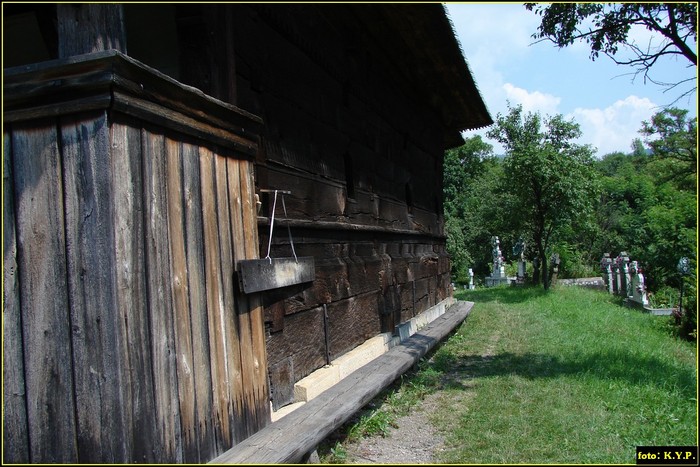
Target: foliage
x=648, y=207
x=606, y=28
x=477, y=206
x=674, y=143
x=551, y=177
x=643, y=202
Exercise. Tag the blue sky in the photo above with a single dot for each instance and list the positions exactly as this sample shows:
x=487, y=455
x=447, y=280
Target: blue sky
x=598, y=95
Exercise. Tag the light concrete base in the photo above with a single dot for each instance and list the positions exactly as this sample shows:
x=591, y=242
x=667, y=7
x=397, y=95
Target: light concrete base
x=323, y=378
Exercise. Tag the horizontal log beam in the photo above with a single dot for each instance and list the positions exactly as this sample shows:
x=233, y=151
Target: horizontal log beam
x=289, y=439
x=264, y=222
x=110, y=80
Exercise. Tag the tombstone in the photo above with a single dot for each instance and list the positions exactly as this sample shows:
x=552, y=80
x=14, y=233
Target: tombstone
x=519, y=252
x=625, y=276
x=554, y=262
x=498, y=273
x=471, y=279
x=616, y=269
x=606, y=267
x=638, y=289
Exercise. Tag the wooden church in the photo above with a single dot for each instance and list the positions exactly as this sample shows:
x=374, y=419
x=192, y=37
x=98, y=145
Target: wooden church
x=205, y=203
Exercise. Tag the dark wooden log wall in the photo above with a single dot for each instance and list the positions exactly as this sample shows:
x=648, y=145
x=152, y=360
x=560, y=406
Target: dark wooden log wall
x=126, y=339
x=363, y=161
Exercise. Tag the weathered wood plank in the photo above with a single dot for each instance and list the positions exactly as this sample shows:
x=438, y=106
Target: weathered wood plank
x=15, y=436
x=178, y=121
x=225, y=209
x=131, y=299
x=261, y=393
x=265, y=274
x=97, y=347
x=160, y=297
x=236, y=173
x=198, y=302
x=43, y=290
x=86, y=28
x=215, y=300
x=180, y=300
x=293, y=436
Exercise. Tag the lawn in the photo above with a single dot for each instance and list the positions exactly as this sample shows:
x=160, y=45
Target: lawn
x=565, y=376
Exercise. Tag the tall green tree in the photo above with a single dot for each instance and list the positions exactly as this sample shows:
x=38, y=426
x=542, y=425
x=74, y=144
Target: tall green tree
x=551, y=176
x=464, y=171
x=606, y=27
x=673, y=140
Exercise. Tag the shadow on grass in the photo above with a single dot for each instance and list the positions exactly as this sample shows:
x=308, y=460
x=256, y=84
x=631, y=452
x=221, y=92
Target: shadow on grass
x=503, y=294
x=613, y=366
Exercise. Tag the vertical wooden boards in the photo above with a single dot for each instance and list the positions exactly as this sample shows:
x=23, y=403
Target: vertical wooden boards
x=258, y=348
x=192, y=193
x=215, y=301
x=97, y=348
x=226, y=209
x=157, y=242
x=131, y=296
x=245, y=420
x=86, y=28
x=15, y=437
x=123, y=336
x=180, y=298
x=43, y=288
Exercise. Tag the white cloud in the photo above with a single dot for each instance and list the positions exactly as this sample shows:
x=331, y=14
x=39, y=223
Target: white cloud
x=535, y=101
x=616, y=126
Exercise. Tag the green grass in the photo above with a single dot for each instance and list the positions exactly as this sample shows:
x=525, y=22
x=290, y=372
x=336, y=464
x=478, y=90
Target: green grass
x=565, y=376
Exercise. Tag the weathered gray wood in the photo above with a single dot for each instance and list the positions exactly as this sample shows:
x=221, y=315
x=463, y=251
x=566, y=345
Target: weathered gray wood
x=87, y=28
x=198, y=303
x=131, y=297
x=298, y=433
x=237, y=172
x=180, y=300
x=228, y=209
x=265, y=274
x=41, y=261
x=15, y=436
x=97, y=347
x=111, y=80
x=260, y=395
x=215, y=300
x=180, y=122
x=158, y=259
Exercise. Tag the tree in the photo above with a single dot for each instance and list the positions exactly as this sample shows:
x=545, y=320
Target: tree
x=552, y=178
x=609, y=25
x=463, y=168
x=674, y=144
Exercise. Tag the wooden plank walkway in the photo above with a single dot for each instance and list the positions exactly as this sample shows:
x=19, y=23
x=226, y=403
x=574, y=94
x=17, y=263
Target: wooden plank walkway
x=294, y=436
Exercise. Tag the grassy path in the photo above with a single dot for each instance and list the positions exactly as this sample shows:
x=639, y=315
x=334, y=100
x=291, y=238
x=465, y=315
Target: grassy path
x=532, y=377
x=562, y=377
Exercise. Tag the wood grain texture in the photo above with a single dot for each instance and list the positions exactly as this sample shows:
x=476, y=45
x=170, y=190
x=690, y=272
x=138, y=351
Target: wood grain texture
x=132, y=295
x=15, y=434
x=157, y=240
x=180, y=300
x=226, y=209
x=98, y=363
x=192, y=194
x=215, y=300
x=41, y=258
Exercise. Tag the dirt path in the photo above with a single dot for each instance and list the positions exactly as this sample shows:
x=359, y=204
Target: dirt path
x=415, y=440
